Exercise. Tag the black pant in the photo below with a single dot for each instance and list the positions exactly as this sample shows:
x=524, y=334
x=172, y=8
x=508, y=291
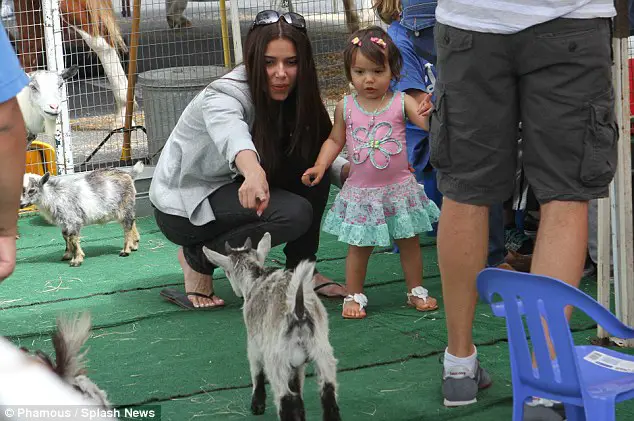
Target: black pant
x=293, y=216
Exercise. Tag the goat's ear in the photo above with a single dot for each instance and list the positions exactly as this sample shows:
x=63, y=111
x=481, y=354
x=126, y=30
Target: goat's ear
x=45, y=178
x=264, y=246
x=217, y=258
x=69, y=72
x=228, y=248
x=248, y=244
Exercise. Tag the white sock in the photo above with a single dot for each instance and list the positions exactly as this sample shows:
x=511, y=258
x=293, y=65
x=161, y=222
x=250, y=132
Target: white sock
x=461, y=367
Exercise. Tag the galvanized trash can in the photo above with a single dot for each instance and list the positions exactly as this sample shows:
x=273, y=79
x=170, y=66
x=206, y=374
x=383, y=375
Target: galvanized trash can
x=166, y=92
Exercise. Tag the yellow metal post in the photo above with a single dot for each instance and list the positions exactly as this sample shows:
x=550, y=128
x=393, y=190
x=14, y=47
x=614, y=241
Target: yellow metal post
x=126, y=150
x=225, y=33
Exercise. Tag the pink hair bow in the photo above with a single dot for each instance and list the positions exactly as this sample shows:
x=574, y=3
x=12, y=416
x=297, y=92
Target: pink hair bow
x=378, y=41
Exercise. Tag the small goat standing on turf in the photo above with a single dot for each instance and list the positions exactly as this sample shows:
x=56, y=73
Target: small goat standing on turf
x=287, y=326
x=72, y=202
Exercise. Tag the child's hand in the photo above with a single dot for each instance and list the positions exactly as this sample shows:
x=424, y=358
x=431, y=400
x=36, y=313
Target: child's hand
x=425, y=106
x=313, y=176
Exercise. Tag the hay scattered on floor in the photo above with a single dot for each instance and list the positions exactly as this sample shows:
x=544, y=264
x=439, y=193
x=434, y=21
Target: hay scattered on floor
x=102, y=122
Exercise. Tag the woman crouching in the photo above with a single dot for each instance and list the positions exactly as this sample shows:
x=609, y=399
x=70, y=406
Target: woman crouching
x=231, y=168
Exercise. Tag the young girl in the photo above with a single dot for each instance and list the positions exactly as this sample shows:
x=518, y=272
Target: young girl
x=380, y=200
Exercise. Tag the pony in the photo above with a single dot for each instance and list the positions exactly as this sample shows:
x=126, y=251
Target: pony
x=96, y=24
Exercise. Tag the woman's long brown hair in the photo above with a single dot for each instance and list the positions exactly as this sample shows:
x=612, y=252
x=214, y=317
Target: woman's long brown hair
x=303, y=113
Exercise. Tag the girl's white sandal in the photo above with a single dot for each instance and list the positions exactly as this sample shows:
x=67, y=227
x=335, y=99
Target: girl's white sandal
x=423, y=294
x=358, y=298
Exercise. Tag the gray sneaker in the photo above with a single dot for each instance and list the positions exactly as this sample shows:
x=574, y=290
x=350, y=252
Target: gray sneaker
x=459, y=388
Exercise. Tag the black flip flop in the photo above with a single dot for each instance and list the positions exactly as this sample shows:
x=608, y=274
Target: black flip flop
x=325, y=284
x=181, y=299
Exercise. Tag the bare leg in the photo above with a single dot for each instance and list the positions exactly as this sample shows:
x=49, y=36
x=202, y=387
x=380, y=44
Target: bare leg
x=462, y=253
x=412, y=264
x=562, y=238
x=198, y=282
x=356, y=269
x=332, y=290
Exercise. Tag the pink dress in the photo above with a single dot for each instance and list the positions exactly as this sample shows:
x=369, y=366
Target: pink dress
x=381, y=200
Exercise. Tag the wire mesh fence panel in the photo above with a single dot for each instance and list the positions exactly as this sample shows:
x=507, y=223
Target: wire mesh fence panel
x=180, y=48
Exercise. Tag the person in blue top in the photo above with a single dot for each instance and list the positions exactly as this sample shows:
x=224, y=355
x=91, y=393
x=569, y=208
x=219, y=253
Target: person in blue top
x=12, y=151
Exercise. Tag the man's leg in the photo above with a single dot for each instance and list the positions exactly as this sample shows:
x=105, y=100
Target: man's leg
x=570, y=151
x=475, y=157
x=462, y=253
x=562, y=237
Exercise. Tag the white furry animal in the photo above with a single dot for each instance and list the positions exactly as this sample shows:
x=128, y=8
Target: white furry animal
x=287, y=326
x=41, y=100
x=97, y=197
x=71, y=334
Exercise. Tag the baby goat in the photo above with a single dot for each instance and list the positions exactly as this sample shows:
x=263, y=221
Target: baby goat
x=72, y=202
x=287, y=326
x=41, y=100
x=70, y=336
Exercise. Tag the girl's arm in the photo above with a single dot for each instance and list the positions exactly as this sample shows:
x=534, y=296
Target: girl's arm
x=329, y=150
x=418, y=113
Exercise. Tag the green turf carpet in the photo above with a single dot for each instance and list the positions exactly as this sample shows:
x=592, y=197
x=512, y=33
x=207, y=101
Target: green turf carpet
x=146, y=351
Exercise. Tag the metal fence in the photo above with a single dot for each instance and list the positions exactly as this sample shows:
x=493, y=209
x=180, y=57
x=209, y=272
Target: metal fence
x=172, y=34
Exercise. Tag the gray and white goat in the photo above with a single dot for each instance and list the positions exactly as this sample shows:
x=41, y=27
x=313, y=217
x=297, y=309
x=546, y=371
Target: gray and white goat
x=41, y=100
x=97, y=197
x=71, y=334
x=287, y=326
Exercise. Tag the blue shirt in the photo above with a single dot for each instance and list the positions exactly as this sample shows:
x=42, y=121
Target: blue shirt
x=417, y=73
x=12, y=77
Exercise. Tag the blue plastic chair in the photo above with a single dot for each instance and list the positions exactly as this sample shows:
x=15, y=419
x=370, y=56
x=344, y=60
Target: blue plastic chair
x=588, y=390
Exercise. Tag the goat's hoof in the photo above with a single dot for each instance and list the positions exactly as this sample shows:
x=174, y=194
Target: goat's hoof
x=124, y=254
x=257, y=408
x=75, y=263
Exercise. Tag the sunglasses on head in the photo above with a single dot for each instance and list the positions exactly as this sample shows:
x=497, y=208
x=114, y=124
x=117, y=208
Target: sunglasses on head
x=267, y=17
